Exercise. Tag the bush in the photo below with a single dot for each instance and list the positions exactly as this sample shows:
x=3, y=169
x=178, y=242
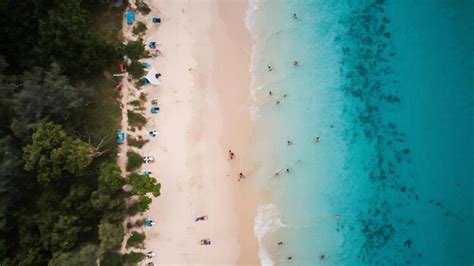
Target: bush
x=134, y=49
x=133, y=258
x=135, y=160
x=136, y=119
x=136, y=143
x=143, y=8
x=139, y=28
x=111, y=259
x=136, y=69
x=136, y=240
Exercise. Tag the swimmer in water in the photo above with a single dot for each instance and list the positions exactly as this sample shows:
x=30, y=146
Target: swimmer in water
x=270, y=93
x=317, y=139
x=289, y=142
x=295, y=16
x=295, y=63
x=322, y=257
x=280, y=243
x=288, y=170
x=278, y=102
x=270, y=68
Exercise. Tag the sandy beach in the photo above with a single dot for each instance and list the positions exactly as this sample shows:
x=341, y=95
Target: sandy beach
x=203, y=99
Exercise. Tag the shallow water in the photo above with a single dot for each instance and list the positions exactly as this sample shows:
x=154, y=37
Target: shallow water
x=388, y=87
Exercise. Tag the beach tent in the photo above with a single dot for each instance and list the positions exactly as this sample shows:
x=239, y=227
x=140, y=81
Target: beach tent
x=152, y=76
x=121, y=137
x=152, y=45
x=130, y=17
x=156, y=20
x=145, y=65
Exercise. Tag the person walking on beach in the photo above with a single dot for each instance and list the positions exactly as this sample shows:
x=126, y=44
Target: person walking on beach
x=241, y=176
x=231, y=155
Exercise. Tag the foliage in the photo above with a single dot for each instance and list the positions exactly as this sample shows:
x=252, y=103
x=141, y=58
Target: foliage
x=133, y=258
x=143, y=7
x=64, y=37
x=136, y=143
x=136, y=69
x=134, y=49
x=134, y=161
x=46, y=95
x=110, y=236
x=136, y=119
x=141, y=186
x=53, y=154
x=85, y=255
x=139, y=28
x=136, y=240
x=111, y=259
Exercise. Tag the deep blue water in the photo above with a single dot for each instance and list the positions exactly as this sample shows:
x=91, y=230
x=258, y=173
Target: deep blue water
x=388, y=86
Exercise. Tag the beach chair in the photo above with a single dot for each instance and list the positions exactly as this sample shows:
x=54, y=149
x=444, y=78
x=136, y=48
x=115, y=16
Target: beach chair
x=149, y=223
x=155, y=109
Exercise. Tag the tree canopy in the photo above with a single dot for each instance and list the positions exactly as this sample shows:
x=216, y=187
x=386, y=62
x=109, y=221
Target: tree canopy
x=53, y=153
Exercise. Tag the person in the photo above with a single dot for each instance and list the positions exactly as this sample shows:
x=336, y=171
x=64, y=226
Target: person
x=158, y=75
x=289, y=142
x=322, y=257
x=231, y=155
x=295, y=63
x=289, y=258
x=201, y=218
x=278, y=102
x=150, y=254
x=241, y=176
x=317, y=139
x=295, y=16
x=270, y=93
x=280, y=243
x=270, y=68
x=277, y=173
x=288, y=170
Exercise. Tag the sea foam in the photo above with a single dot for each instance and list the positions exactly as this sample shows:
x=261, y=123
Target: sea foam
x=267, y=220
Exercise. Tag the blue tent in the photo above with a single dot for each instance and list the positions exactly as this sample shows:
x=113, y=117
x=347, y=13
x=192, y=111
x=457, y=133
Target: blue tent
x=155, y=110
x=156, y=20
x=145, y=65
x=130, y=17
x=121, y=137
x=152, y=45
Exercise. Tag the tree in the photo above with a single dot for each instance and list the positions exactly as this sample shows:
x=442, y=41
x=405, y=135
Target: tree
x=53, y=153
x=110, y=178
x=141, y=186
x=85, y=255
x=46, y=95
x=110, y=236
x=65, y=37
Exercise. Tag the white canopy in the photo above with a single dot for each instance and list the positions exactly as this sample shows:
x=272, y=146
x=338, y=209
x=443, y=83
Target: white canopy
x=151, y=76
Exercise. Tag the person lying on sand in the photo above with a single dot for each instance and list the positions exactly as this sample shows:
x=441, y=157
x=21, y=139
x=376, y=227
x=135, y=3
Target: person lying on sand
x=205, y=242
x=241, y=176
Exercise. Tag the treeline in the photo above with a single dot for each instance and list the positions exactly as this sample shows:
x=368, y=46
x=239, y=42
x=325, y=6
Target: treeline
x=61, y=194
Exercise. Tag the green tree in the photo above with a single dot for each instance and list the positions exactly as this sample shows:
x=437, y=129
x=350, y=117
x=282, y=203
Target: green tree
x=65, y=37
x=46, y=95
x=142, y=185
x=110, y=236
x=85, y=255
x=53, y=153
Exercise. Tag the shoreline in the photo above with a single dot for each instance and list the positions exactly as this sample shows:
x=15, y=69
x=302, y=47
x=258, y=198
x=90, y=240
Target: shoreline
x=203, y=113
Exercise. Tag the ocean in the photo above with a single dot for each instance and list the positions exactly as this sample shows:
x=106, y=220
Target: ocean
x=387, y=87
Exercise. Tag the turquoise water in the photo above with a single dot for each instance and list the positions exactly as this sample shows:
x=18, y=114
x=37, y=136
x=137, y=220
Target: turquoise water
x=388, y=87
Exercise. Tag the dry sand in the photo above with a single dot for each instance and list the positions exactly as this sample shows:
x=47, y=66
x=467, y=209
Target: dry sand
x=203, y=99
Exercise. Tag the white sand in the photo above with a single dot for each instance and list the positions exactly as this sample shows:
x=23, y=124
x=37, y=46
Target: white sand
x=203, y=112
